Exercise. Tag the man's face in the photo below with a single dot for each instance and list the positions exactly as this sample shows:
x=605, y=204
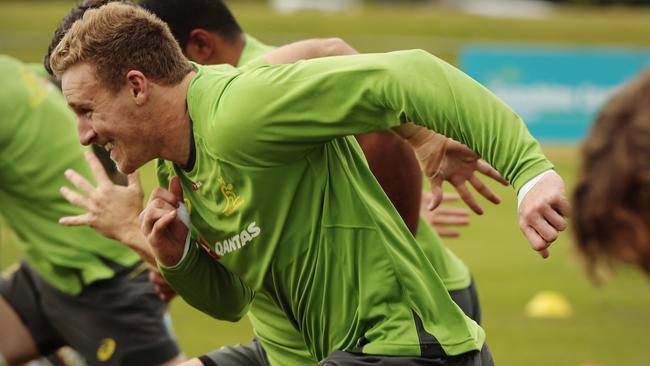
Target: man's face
x=106, y=119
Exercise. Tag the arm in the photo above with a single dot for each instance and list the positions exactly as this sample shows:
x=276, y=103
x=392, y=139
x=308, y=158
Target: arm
x=112, y=209
x=208, y=286
x=314, y=101
x=201, y=281
x=311, y=102
x=390, y=159
x=307, y=49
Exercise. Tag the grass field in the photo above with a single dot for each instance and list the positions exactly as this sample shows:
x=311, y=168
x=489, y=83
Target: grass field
x=610, y=325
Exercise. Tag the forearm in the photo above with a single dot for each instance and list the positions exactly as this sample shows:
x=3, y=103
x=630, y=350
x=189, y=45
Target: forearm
x=317, y=100
x=135, y=239
x=208, y=286
x=308, y=49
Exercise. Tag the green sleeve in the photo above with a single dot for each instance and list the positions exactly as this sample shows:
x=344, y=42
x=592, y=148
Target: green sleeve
x=208, y=286
x=276, y=114
x=39, y=69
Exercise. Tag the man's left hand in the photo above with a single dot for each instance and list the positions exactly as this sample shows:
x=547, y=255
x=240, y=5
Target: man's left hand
x=543, y=212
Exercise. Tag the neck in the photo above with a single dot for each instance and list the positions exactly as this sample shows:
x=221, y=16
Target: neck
x=174, y=122
x=229, y=51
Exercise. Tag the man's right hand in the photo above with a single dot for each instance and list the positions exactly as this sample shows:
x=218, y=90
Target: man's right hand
x=163, y=229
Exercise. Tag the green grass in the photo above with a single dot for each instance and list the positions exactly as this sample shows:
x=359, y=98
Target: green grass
x=609, y=325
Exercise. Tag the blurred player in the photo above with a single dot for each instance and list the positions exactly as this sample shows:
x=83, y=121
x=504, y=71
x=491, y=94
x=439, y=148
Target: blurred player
x=612, y=197
x=76, y=288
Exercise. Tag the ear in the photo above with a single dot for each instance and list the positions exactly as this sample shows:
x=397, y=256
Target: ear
x=138, y=86
x=201, y=45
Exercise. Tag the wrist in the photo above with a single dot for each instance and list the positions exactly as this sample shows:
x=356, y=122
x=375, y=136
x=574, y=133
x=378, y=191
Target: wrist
x=135, y=239
x=529, y=185
x=133, y=236
x=174, y=259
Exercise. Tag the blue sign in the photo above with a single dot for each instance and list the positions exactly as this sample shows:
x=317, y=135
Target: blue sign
x=557, y=91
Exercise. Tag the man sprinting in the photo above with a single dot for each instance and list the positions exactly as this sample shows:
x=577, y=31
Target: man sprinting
x=282, y=174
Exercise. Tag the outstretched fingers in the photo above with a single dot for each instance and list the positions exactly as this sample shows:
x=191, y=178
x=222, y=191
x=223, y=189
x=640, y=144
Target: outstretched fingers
x=487, y=170
x=450, y=217
x=79, y=220
x=75, y=198
x=97, y=168
x=484, y=190
x=78, y=181
x=468, y=198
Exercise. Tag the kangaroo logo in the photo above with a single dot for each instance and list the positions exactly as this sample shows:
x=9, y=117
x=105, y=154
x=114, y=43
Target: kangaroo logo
x=233, y=201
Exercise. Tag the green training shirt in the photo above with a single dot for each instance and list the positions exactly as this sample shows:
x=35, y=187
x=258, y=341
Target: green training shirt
x=285, y=201
x=452, y=270
x=38, y=141
x=284, y=345
x=281, y=341
x=253, y=49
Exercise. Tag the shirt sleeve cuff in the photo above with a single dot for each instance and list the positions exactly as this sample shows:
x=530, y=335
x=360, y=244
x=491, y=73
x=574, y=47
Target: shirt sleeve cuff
x=529, y=185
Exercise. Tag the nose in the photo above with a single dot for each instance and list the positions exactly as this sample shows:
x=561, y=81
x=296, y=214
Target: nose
x=86, y=133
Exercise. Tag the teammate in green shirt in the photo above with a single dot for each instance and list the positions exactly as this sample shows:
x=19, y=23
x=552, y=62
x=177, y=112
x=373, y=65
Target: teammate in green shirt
x=75, y=283
x=280, y=175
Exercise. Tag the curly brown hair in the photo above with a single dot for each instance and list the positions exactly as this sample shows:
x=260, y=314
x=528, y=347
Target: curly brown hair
x=612, y=197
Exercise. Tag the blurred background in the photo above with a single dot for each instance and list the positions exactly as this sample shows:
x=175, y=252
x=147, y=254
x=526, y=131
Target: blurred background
x=555, y=62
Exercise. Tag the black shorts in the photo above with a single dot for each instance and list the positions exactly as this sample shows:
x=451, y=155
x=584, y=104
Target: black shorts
x=119, y=321
x=346, y=358
x=467, y=300
x=251, y=354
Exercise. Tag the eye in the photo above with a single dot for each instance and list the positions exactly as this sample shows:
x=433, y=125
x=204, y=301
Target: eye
x=86, y=112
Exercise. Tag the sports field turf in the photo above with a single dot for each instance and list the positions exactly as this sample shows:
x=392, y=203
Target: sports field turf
x=610, y=325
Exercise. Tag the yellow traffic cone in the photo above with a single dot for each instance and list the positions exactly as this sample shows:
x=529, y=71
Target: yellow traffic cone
x=549, y=304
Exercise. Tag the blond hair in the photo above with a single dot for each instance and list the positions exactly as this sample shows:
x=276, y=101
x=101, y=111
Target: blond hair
x=117, y=38
x=612, y=197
